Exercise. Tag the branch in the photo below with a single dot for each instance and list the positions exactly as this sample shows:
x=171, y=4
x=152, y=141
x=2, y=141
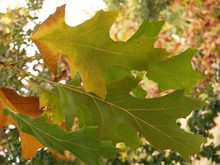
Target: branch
x=25, y=59
x=24, y=73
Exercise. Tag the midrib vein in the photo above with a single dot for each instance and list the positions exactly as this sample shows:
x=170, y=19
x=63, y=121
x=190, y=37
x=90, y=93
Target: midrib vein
x=53, y=137
x=133, y=116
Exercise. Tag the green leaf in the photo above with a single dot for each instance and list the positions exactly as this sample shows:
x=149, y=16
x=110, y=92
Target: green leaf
x=80, y=143
x=89, y=49
x=175, y=72
x=51, y=100
x=125, y=133
x=154, y=118
x=102, y=98
x=150, y=29
x=82, y=110
x=139, y=92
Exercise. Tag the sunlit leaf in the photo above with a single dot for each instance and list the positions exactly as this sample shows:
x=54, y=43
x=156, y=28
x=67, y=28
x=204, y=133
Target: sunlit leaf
x=89, y=49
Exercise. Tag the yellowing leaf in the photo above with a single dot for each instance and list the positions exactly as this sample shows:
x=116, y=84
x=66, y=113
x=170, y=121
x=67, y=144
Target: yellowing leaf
x=51, y=135
x=89, y=49
x=81, y=142
x=17, y=103
x=5, y=120
x=24, y=105
x=29, y=145
x=51, y=100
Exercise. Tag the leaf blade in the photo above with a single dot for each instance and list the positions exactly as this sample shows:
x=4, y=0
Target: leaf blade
x=81, y=143
x=89, y=49
x=153, y=118
x=175, y=72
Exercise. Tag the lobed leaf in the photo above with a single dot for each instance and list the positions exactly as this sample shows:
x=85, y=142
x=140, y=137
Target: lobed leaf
x=175, y=72
x=81, y=143
x=89, y=49
x=24, y=105
x=154, y=118
x=104, y=67
x=27, y=106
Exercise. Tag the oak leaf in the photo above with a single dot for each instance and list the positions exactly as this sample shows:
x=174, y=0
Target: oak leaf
x=90, y=51
x=154, y=118
x=80, y=143
x=23, y=105
x=175, y=72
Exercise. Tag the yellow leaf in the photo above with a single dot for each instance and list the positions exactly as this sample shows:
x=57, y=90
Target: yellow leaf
x=89, y=50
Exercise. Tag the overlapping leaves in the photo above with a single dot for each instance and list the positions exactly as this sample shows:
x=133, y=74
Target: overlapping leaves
x=82, y=142
x=154, y=118
x=103, y=99
x=89, y=49
x=23, y=105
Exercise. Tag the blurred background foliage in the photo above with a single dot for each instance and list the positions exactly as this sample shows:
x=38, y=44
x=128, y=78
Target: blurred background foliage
x=189, y=23
x=14, y=44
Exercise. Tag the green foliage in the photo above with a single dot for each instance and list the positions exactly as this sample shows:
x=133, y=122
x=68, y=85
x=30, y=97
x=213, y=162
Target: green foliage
x=81, y=142
x=153, y=118
x=211, y=152
x=12, y=151
x=120, y=113
x=93, y=53
x=103, y=98
x=51, y=100
x=14, y=40
x=147, y=155
x=202, y=120
x=182, y=76
x=34, y=4
x=11, y=43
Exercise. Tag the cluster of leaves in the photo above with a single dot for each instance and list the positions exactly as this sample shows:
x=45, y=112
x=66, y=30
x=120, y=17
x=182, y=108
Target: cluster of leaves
x=207, y=123
x=13, y=44
x=202, y=121
x=34, y=5
x=211, y=152
x=10, y=145
x=198, y=27
x=194, y=23
x=148, y=155
x=101, y=103
x=142, y=9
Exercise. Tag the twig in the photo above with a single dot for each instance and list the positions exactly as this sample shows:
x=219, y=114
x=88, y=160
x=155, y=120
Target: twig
x=25, y=59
